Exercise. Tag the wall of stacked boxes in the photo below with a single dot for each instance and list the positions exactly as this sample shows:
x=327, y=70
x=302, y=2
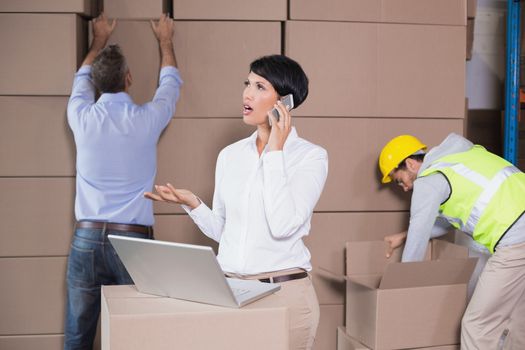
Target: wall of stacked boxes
x=377, y=69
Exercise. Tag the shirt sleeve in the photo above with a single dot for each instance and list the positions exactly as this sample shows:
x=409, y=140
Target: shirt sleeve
x=289, y=199
x=166, y=96
x=211, y=222
x=429, y=192
x=82, y=96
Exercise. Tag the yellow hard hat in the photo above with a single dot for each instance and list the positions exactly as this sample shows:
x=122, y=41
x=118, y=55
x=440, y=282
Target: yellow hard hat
x=395, y=151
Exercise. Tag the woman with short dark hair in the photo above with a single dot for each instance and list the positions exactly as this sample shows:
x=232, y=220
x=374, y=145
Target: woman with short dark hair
x=266, y=188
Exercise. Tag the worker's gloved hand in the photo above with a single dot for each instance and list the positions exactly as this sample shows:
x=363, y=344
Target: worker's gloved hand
x=394, y=241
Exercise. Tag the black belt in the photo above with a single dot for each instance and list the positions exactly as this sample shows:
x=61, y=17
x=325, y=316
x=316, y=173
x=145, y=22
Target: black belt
x=284, y=278
x=147, y=230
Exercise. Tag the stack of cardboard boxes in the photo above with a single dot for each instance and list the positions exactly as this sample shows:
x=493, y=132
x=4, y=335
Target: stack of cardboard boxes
x=42, y=44
x=377, y=69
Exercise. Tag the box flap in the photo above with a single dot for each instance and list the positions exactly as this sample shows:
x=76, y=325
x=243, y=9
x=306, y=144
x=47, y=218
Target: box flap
x=368, y=257
x=441, y=250
x=427, y=273
x=370, y=281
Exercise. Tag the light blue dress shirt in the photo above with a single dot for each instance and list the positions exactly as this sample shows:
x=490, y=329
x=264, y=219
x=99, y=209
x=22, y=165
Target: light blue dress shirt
x=116, y=144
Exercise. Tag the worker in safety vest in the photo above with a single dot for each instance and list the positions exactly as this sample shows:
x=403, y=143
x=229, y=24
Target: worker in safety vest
x=463, y=185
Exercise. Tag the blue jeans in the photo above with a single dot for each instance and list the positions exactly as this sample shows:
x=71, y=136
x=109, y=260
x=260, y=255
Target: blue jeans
x=92, y=262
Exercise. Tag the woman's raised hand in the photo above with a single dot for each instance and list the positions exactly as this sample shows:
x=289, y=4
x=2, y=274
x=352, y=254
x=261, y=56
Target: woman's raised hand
x=171, y=194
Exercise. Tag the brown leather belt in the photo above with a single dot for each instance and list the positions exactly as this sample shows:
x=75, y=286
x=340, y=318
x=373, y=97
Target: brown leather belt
x=147, y=230
x=284, y=278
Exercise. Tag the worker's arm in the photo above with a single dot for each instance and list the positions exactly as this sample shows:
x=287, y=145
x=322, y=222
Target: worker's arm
x=429, y=192
x=163, y=31
x=102, y=30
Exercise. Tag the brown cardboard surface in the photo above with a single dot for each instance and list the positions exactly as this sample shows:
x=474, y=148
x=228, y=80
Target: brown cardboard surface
x=35, y=139
x=28, y=342
x=326, y=242
x=380, y=70
x=268, y=10
x=332, y=316
x=427, y=273
x=84, y=7
x=346, y=342
x=213, y=70
x=431, y=299
x=353, y=146
x=22, y=312
x=37, y=216
x=134, y=9
x=41, y=53
x=163, y=323
x=472, y=8
x=444, y=12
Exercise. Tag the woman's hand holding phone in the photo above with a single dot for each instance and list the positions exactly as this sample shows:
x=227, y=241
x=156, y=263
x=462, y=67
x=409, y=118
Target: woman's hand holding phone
x=280, y=127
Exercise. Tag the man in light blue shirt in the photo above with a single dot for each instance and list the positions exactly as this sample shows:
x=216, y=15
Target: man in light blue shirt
x=116, y=144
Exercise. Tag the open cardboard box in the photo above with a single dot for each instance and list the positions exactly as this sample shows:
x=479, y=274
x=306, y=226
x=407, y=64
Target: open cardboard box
x=393, y=305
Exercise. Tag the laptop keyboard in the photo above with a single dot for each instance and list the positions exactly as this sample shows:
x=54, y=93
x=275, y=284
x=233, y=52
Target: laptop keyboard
x=239, y=291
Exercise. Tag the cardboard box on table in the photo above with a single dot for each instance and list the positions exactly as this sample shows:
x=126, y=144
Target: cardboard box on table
x=132, y=320
x=393, y=305
x=346, y=342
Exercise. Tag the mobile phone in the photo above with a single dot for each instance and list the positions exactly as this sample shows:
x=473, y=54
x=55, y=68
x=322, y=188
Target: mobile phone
x=287, y=101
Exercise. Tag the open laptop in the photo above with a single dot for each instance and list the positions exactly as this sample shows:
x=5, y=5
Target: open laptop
x=185, y=271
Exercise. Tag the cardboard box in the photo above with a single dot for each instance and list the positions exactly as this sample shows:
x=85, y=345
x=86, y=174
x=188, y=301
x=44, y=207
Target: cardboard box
x=213, y=58
x=380, y=70
x=83, y=7
x=134, y=9
x=40, y=53
x=326, y=243
x=25, y=342
x=393, y=305
x=132, y=320
x=37, y=216
x=442, y=12
x=33, y=294
x=35, y=139
x=346, y=342
x=268, y=10
x=332, y=316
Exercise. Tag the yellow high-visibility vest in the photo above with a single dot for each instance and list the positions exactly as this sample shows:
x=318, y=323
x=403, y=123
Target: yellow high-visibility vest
x=487, y=193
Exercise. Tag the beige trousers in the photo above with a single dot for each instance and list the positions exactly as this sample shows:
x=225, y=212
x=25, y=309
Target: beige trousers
x=495, y=316
x=301, y=299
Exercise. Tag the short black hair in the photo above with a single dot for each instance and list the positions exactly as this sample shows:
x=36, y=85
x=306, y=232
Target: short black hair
x=285, y=75
x=403, y=164
x=109, y=70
